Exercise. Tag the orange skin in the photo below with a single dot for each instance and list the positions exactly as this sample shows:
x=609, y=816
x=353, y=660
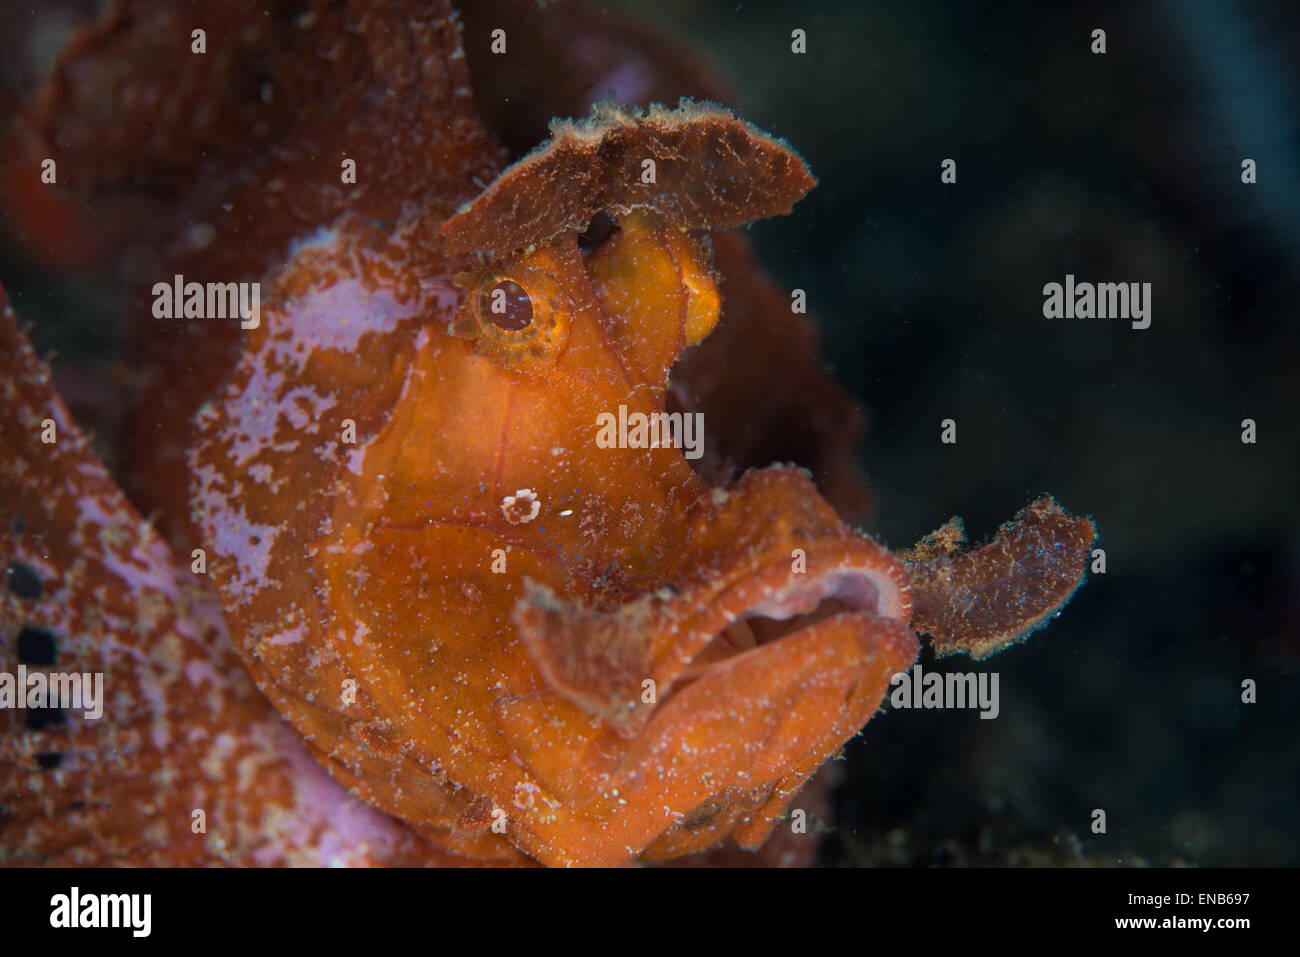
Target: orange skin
x=592, y=671
x=500, y=666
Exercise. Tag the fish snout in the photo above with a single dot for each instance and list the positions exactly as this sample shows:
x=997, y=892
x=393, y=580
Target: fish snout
x=773, y=646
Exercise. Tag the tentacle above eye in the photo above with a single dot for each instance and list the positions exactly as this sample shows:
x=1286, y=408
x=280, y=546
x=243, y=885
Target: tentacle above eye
x=695, y=167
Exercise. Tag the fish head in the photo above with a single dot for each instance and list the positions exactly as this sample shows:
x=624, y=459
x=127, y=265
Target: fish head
x=511, y=613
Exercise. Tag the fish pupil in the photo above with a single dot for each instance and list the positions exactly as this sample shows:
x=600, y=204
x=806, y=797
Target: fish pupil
x=508, y=306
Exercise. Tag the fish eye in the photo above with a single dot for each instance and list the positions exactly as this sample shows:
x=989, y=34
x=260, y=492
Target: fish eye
x=516, y=313
x=507, y=306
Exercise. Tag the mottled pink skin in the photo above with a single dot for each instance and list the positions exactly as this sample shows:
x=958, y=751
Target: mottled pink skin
x=333, y=826
x=183, y=728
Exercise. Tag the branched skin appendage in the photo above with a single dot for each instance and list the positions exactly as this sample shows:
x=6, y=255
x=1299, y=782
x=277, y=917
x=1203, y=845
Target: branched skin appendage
x=982, y=600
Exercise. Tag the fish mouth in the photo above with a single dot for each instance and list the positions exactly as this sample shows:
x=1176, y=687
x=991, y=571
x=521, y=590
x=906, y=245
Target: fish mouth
x=748, y=587
x=796, y=665
x=799, y=605
x=715, y=699
x=771, y=621
x=779, y=654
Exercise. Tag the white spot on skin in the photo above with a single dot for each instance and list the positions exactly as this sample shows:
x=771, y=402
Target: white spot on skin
x=289, y=637
x=521, y=507
x=525, y=796
x=360, y=632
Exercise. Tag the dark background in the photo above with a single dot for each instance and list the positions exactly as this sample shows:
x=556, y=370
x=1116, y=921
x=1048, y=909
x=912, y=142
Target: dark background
x=1119, y=167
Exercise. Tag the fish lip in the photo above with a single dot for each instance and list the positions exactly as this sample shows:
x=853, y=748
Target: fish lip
x=763, y=720
x=854, y=570
x=621, y=664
